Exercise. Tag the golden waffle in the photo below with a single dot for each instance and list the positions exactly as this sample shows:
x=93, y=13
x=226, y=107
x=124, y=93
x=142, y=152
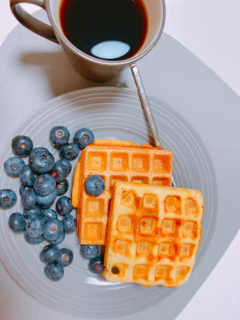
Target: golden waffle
x=113, y=160
x=153, y=234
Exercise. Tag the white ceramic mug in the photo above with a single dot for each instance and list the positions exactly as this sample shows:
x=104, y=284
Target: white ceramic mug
x=90, y=67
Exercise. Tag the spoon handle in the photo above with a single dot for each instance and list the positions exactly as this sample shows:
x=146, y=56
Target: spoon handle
x=147, y=108
x=146, y=105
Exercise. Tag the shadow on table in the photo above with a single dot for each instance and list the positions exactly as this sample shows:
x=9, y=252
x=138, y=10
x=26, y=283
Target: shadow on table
x=60, y=74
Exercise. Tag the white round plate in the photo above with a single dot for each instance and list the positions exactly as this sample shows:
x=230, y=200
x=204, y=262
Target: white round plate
x=114, y=113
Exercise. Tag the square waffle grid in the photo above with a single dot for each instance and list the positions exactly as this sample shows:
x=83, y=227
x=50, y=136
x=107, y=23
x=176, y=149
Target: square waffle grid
x=153, y=234
x=151, y=166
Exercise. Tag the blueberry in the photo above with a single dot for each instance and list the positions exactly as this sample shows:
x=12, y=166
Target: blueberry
x=62, y=187
x=28, y=176
x=47, y=206
x=69, y=224
x=44, y=185
x=66, y=163
x=7, y=198
x=35, y=226
x=59, y=135
x=49, y=213
x=13, y=166
x=90, y=251
x=64, y=206
x=46, y=202
x=29, y=199
x=32, y=212
x=16, y=222
x=33, y=240
x=54, y=271
x=23, y=188
x=95, y=185
x=53, y=229
x=22, y=145
x=59, y=240
x=65, y=257
x=49, y=253
x=59, y=172
x=30, y=215
x=96, y=265
x=69, y=151
x=41, y=160
x=83, y=138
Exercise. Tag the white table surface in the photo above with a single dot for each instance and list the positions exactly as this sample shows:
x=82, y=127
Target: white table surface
x=211, y=30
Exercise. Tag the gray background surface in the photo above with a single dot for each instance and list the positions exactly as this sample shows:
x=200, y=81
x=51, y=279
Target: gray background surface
x=34, y=71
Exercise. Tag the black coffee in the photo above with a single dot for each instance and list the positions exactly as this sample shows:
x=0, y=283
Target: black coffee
x=105, y=29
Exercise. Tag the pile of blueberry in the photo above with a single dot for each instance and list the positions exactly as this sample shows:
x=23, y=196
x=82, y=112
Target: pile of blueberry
x=92, y=252
x=42, y=180
x=56, y=260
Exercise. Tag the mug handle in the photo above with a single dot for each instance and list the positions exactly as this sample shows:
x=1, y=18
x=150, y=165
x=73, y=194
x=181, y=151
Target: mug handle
x=30, y=22
x=146, y=105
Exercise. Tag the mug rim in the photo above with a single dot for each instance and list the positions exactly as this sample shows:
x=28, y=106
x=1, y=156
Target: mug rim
x=129, y=61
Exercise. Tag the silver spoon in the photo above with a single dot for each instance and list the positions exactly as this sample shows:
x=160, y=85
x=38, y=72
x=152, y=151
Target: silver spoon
x=147, y=108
